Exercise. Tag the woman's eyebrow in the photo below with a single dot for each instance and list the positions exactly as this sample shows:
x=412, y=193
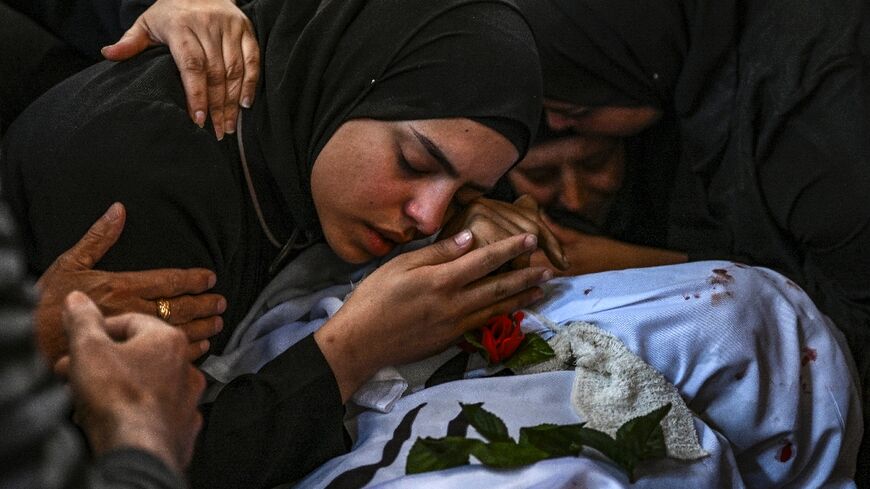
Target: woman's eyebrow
x=444, y=162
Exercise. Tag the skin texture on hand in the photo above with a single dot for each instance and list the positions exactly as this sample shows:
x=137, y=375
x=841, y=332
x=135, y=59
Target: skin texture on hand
x=420, y=302
x=132, y=383
x=214, y=46
x=491, y=221
x=193, y=311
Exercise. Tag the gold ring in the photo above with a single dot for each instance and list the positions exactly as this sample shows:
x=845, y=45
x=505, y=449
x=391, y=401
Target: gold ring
x=163, y=309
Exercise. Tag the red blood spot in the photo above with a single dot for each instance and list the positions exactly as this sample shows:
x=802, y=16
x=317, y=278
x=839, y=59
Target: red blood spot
x=697, y=295
x=785, y=453
x=719, y=297
x=587, y=291
x=721, y=277
x=686, y=297
x=808, y=355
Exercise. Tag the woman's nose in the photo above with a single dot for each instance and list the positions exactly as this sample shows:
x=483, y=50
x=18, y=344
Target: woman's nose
x=571, y=189
x=428, y=207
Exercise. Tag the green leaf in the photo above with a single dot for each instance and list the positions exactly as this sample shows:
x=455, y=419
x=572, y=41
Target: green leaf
x=428, y=454
x=487, y=424
x=507, y=454
x=643, y=436
x=556, y=440
x=600, y=441
x=471, y=338
x=532, y=350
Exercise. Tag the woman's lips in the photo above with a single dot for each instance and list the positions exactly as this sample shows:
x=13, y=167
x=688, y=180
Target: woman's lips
x=377, y=243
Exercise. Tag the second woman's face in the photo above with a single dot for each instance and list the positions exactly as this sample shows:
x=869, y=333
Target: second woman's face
x=377, y=184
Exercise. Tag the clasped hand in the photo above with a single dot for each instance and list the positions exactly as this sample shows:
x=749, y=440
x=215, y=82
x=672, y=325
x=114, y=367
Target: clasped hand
x=194, y=312
x=422, y=301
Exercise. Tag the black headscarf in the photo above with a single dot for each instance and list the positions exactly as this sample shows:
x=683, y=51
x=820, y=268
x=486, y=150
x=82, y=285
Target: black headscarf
x=659, y=53
x=327, y=61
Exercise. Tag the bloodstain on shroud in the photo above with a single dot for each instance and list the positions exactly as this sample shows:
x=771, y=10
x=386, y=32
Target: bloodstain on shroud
x=786, y=452
x=808, y=355
x=720, y=277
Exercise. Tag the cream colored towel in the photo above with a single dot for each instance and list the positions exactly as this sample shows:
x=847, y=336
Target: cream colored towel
x=613, y=385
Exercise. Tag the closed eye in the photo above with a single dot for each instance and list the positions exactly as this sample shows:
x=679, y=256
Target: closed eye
x=407, y=168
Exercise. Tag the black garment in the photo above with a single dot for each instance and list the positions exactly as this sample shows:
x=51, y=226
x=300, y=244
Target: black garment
x=85, y=25
x=32, y=60
x=120, y=132
x=39, y=448
x=773, y=100
x=44, y=42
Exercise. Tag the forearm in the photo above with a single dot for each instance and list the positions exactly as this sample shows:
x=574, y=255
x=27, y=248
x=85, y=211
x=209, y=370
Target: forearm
x=592, y=254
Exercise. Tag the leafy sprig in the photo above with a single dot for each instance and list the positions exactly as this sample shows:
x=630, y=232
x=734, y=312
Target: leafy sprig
x=638, y=440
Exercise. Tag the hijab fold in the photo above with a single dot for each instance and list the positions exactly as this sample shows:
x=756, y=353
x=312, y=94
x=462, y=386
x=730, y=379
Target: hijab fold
x=659, y=53
x=328, y=61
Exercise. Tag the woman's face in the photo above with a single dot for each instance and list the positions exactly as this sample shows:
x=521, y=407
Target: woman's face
x=377, y=184
x=578, y=174
x=599, y=121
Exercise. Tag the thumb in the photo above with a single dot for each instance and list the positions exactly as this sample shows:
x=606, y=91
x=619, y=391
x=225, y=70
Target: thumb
x=133, y=42
x=102, y=235
x=82, y=320
x=443, y=251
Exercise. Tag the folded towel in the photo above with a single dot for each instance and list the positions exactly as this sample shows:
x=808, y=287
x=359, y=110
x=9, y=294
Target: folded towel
x=613, y=385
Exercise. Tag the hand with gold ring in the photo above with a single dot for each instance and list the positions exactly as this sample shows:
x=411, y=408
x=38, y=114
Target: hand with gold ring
x=190, y=308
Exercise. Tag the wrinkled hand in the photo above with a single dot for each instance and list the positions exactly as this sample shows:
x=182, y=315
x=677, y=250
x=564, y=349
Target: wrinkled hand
x=214, y=46
x=418, y=304
x=193, y=311
x=132, y=383
x=492, y=220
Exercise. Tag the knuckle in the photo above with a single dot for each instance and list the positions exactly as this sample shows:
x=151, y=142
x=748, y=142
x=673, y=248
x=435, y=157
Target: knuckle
x=252, y=61
x=443, y=249
x=173, y=282
x=193, y=64
x=235, y=70
x=215, y=76
x=500, y=291
x=490, y=261
x=440, y=281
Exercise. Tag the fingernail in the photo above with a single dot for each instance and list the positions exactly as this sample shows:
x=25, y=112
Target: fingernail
x=221, y=306
x=103, y=50
x=114, y=212
x=547, y=275
x=531, y=241
x=246, y=102
x=212, y=280
x=229, y=127
x=218, y=325
x=219, y=132
x=203, y=346
x=199, y=118
x=463, y=238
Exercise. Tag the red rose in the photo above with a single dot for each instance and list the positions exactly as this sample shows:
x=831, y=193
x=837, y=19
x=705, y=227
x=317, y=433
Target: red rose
x=502, y=336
